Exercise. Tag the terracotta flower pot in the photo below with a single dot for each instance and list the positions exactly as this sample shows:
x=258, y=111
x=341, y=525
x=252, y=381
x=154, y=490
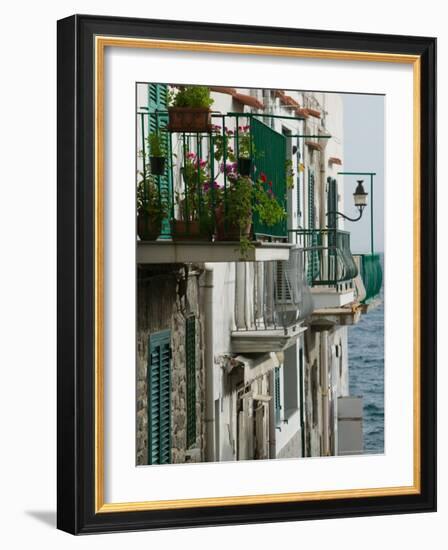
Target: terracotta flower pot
x=148, y=229
x=157, y=165
x=189, y=119
x=229, y=231
x=189, y=231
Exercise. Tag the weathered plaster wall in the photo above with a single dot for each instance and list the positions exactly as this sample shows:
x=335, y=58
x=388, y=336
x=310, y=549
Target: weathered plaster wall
x=338, y=376
x=292, y=448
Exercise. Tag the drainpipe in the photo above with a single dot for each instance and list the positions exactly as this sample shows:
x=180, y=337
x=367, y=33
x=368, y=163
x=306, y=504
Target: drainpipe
x=324, y=386
x=209, y=365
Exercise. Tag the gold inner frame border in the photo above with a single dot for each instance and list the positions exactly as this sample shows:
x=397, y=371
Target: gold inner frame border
x=101, y=42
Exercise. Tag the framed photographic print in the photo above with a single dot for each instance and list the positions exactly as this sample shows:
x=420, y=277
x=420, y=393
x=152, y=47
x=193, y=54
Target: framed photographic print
x=246, y=274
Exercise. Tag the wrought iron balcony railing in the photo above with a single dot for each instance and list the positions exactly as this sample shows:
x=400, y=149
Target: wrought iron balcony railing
x=328, y=258
x=197, y=192
x=272, y=295
x=371, y=274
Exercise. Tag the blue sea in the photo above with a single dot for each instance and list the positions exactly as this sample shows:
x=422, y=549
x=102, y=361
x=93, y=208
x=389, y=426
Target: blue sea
x=366, y=372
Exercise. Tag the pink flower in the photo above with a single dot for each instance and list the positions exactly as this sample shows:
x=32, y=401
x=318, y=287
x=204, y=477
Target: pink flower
x=208, y=186
x=202, y=163
x=191, y=156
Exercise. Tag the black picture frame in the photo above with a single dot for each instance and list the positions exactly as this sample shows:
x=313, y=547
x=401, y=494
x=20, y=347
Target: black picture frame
x=76, y=289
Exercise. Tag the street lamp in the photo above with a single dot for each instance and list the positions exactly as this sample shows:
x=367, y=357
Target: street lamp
x=360, y=198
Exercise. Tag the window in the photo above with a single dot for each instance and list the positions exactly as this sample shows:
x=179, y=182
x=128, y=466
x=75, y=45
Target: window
x=159, y=398
x=190, y=363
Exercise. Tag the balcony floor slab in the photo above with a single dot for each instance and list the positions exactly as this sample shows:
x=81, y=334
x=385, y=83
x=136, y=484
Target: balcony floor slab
x=328, y=318
x=170, y=252
x=261, y=340
x=324, y=297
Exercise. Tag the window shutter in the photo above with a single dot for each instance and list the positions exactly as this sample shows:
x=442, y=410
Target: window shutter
x=332, y=201
x=311, y=218
x=277, y=400
x=159, y=398
x=332, y=206
x=190, y=361
x=158, y=101
x=313, y=256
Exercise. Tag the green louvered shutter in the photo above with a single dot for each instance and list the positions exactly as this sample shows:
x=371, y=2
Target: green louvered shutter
x=277, y=395
x=313, y=257
x=158, y=101
x=190, y=360
x=270, y=158
x=332, y=206
x=311, y=216
x=159, y=398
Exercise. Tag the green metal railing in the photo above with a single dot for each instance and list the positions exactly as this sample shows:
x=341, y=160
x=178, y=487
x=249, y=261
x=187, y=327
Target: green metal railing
x=371, y=274
x=328, y=256
x=202, y=167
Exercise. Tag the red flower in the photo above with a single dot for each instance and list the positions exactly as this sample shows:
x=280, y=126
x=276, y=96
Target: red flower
x=263, y=177
x=270, y=184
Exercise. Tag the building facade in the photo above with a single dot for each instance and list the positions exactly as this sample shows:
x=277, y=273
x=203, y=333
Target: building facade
x=242, y=354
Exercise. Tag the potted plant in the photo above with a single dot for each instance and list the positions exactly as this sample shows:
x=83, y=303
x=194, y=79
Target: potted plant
x=193, y=219
x=157, y=157
x=152, y=208
x=233, y=212
x=245, y=151
x=189, y=109
x=241, y=199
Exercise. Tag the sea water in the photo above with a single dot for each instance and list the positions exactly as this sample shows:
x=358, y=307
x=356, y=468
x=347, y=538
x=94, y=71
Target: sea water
x=366, y=373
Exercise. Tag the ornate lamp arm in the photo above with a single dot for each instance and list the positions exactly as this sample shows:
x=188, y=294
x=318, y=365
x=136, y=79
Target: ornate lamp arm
x=346, y=217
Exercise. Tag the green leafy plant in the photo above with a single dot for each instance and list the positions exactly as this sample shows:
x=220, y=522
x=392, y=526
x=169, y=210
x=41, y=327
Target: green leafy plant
x=246, y=148
x=152, y=200
x=242, y=198
x=156, y=145
x=222, y=143
x=266, y=204
x=191, y=96
x=194, y=203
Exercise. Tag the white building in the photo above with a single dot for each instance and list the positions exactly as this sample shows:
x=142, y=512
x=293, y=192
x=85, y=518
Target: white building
x=256, y=342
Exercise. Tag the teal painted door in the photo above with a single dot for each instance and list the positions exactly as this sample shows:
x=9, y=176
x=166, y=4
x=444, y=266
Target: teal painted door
x=159, y=398
x=158, y=102
x=269, y=157
x=190, y=363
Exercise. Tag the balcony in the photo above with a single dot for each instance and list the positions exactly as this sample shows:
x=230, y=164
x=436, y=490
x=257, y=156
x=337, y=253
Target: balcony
x=371, y=274
x=272, y=299
x=331, y=273
x=220, y=195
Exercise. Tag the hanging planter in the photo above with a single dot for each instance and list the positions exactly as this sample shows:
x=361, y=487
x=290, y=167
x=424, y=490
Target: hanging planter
x=157, y=165
x=157, y=158
x=189, y=119
x=190, y=110
x=244, y=166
